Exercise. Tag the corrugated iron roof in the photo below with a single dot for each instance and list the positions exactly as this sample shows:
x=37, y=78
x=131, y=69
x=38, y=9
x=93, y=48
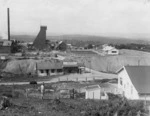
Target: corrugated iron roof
x=50, y=65
x=140, y=77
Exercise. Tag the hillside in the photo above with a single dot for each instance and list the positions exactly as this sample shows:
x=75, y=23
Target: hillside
x=114, y=63
x=96, y=62
x=76, y=38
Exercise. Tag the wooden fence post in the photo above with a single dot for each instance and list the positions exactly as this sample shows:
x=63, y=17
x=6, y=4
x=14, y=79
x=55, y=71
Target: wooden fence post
x=93, y=95
x=13, y=89
x=77, y=79
x=93, y=78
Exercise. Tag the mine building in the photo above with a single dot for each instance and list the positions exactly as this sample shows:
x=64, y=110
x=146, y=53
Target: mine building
x=40, y=41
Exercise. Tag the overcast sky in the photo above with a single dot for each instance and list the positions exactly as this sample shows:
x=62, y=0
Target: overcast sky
x=129, y=18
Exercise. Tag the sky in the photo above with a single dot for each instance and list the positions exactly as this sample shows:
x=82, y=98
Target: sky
x=126, y=18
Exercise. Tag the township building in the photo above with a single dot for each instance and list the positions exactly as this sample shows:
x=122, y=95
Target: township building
x=57, y=67
x=49, y=68
x=109, y=50
x=135, y=82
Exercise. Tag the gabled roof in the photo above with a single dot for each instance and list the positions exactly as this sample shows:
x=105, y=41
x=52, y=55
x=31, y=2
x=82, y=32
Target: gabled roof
x=140, y=77
x=49, y=65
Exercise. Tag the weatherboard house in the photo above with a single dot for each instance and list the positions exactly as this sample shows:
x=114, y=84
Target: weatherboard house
x=109, y=50
x=134, y=81
x=49, y=68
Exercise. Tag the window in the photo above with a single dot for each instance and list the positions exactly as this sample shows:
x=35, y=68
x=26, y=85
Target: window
x=42, y=71
x=114, y=51
x=120, y=81
x=59, y=70
x=47, y=71
x=53, y=70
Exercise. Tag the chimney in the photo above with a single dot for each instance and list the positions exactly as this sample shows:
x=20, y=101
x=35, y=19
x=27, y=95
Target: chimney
x=8, y=24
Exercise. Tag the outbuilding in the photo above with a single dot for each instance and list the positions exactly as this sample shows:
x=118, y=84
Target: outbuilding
x=95, y=92
x=134, y=81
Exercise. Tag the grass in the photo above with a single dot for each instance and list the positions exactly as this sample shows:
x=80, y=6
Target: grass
x=33, y=105
x=25, y=78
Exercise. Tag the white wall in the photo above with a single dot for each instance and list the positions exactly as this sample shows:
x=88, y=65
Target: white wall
x=42, y=74
x=50, y=73
x=55, y=73
x=92, y=94
x=144, y=97
x=112, y=53
x=127, y=87
x=95, y=94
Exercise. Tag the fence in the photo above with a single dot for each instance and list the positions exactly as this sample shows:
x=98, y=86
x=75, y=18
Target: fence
x=77, y=79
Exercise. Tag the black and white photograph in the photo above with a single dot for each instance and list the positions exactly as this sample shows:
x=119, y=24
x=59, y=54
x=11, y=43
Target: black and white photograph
x=74, y=57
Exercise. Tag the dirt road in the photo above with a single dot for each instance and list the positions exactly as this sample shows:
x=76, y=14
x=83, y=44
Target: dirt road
x=71, y=77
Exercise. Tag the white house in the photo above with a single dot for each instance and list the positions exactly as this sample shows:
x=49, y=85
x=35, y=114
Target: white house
x=135, y=82
x=113, y=51
x=95, y=92
x=110, y=50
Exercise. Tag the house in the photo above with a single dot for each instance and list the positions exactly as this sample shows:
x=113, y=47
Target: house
x=72, y=67
x=134, y=81
x=95, y=92
x=113, y=51
x=5, y=46
x=109, y=50
x=62, y=46
x=49, y=68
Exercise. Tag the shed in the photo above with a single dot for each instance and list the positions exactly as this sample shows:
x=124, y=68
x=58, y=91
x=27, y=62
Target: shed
x=95, y=92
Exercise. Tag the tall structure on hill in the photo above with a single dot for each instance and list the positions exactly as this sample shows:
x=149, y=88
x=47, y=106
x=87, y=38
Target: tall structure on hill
x=40, y=40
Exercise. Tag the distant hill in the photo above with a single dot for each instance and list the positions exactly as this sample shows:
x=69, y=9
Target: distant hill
x=101, y=39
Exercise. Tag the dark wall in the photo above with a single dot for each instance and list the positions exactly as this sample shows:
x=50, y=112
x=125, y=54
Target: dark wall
x=40, y=41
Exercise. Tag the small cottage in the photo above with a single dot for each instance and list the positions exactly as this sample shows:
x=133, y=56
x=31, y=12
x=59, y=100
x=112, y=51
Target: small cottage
x=49, y=68
x=109, y=50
